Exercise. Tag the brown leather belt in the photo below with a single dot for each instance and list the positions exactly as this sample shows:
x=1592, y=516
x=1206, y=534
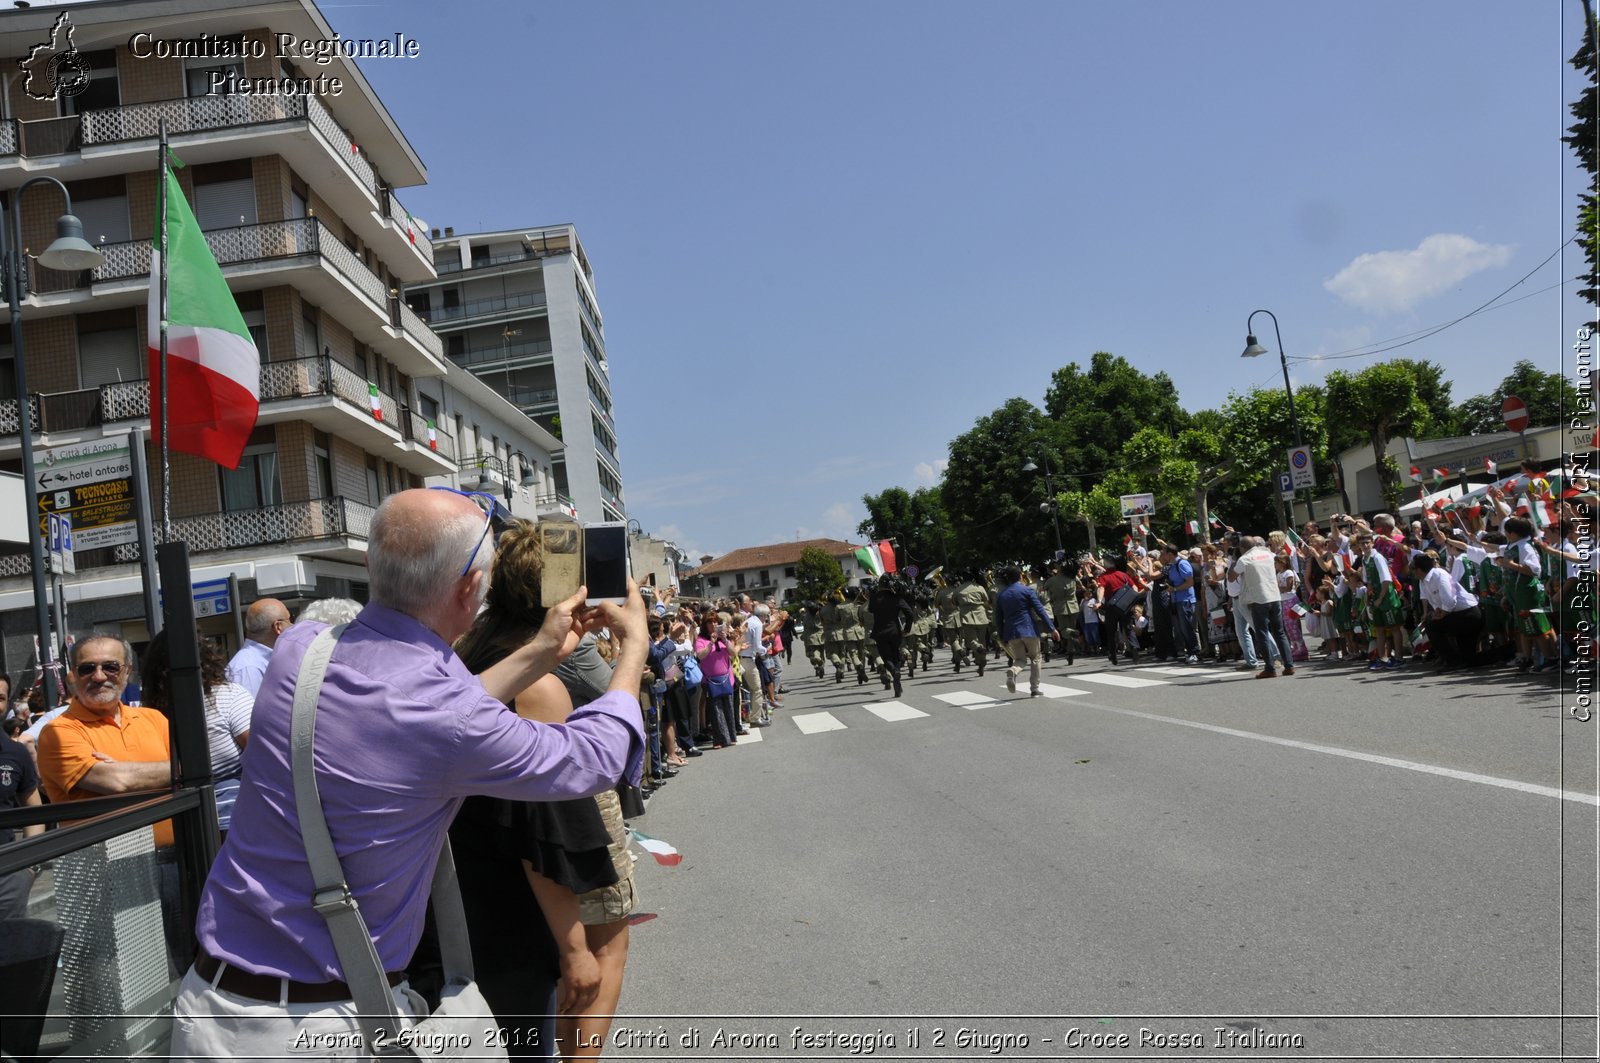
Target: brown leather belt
x=270, y=988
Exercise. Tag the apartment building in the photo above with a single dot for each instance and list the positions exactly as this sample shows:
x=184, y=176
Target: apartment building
x=518, y=309
x=298, y=194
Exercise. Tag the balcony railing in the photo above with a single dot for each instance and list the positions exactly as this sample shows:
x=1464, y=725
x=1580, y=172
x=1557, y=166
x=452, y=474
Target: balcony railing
x=11, y=418
x=416, y=430
x=396, y=211
x=263, y=242
x=8, y=136
x=483, y=306
x=403, y=317
x=288, y=523
x=190, y=114
x=524, y=396
x=501, y=353
x=50, y=136
x=129, y=400
x=484, y=263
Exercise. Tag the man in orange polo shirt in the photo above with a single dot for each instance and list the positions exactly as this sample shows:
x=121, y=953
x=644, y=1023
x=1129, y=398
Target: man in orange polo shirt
x=100, y=745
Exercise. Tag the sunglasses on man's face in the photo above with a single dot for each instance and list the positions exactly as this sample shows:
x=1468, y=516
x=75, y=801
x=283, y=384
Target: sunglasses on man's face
x=112, y=669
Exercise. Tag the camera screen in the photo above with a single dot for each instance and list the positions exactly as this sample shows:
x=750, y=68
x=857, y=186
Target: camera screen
x=605, y=561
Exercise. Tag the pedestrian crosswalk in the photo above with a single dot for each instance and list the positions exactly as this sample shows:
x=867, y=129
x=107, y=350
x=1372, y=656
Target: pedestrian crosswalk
x=993, y=695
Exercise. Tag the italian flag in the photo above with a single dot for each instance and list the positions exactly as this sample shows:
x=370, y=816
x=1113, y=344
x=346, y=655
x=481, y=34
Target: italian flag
x=1440, y=475
x=664, y=853
x=877, y=558
x=377, y=406
x=1193, y=527
x=1489, y=467
x=1416, y=474
x=433, y=439
x=213, y=369
x=411, y=232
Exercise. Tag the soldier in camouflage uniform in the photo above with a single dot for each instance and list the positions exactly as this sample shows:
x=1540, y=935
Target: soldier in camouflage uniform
x=855, y=633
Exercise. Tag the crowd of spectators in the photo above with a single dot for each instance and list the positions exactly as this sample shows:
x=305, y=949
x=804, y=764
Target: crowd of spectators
x=1492, y=584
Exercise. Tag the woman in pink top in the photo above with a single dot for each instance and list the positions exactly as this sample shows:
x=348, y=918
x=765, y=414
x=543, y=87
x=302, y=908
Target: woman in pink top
x=713, y=651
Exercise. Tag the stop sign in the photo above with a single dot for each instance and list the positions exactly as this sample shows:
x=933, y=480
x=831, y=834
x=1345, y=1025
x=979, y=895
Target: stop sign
x=1515, y=412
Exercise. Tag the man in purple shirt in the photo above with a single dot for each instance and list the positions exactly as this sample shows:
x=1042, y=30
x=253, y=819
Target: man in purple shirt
x=404, y=733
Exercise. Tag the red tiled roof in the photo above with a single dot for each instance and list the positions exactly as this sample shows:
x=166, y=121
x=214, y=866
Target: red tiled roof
x=776, y=555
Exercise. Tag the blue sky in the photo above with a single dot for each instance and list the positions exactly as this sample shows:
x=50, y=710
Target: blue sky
x=827, y=237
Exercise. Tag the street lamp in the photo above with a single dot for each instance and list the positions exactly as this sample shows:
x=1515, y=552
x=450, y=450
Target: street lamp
x=69, y=252
x=1252, y=348
x=1050, y=489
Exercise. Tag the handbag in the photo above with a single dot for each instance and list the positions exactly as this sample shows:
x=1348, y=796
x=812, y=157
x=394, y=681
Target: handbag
x=1122, y=598
x=720, y=686
x=456, y=1028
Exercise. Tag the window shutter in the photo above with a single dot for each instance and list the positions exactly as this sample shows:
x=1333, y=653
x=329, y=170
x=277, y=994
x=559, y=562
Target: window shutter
x=221, y=204
x=109, y=357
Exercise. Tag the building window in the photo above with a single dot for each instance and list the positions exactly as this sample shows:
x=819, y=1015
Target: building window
x=322, y=455
x=102, y=92
x=714, y=581
x=738, y=581
x=788, y=572
x=109, y=349
x=254, y=484
x=766, y=579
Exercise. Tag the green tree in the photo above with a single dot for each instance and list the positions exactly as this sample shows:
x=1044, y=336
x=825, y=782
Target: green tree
x=914, y=520
x=1093, y=410
x=1179, y=471
x=1547, y=395
x=1583, y=137
x=817, y=574
x=1375, y=405
x=992, y=505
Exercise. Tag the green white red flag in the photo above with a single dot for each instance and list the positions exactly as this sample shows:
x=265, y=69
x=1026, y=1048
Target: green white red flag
x=433, y=438
x=213, y=369
x=870, y=559
x=1193, y=527
x=377, y=404
x=663, y=852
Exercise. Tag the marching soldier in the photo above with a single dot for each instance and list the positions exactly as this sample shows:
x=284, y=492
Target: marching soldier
x=869, y=645
x=855, y=634
x=917, y=643
x=814, y=637
x=945, y=603
x=972, y=607
x=834, y=621
x=1060, y=593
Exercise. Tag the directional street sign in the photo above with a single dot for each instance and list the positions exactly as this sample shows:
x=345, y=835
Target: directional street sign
x=92, y=483
x=1300, y=470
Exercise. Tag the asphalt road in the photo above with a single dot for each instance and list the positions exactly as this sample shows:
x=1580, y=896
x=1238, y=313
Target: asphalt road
x=1335, y=864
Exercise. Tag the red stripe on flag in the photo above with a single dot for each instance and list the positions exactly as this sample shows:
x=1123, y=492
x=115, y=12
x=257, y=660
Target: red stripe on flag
x=886, y=551
x=211, y=416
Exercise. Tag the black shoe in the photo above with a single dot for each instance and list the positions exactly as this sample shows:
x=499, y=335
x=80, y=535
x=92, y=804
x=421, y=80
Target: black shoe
x=897, y=690
x=980, y=668
x=693, y=753
x=838, y=677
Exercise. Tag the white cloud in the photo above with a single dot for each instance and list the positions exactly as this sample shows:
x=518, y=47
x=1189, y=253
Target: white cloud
x=1386, y=282
x=673, y=533
x=839, y=521
x=927, y=474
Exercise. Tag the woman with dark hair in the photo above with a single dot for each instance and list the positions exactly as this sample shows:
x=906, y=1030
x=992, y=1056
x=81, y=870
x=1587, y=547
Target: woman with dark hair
x=228, y=709
x=569, y=858
x=1114, y=626
x=715, y=655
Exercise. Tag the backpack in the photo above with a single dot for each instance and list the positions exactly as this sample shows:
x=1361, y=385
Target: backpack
x=692, y=676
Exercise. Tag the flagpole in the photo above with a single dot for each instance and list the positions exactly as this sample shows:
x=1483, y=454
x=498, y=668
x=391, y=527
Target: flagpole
x=166, y=468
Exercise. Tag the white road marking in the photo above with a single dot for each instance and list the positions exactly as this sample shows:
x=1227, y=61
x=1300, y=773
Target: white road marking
x=1049, y=690
x=893, y=711
x=753, y=736
x=967, y=700
x=1175, y=670
x=1117, y=679
x=1209, y=675
x=813, y=722
x=1371, y=758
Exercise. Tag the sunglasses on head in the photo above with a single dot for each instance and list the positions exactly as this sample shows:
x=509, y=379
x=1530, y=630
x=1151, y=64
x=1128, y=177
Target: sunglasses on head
x=112, y=669
x=494, y=514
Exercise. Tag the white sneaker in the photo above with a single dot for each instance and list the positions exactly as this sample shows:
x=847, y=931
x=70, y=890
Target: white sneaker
x=1011, y=682
x=1191, y=659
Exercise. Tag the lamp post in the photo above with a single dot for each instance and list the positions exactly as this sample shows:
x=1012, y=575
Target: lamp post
x=69, y=251
x=1050, y=489
x=1252, y=348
